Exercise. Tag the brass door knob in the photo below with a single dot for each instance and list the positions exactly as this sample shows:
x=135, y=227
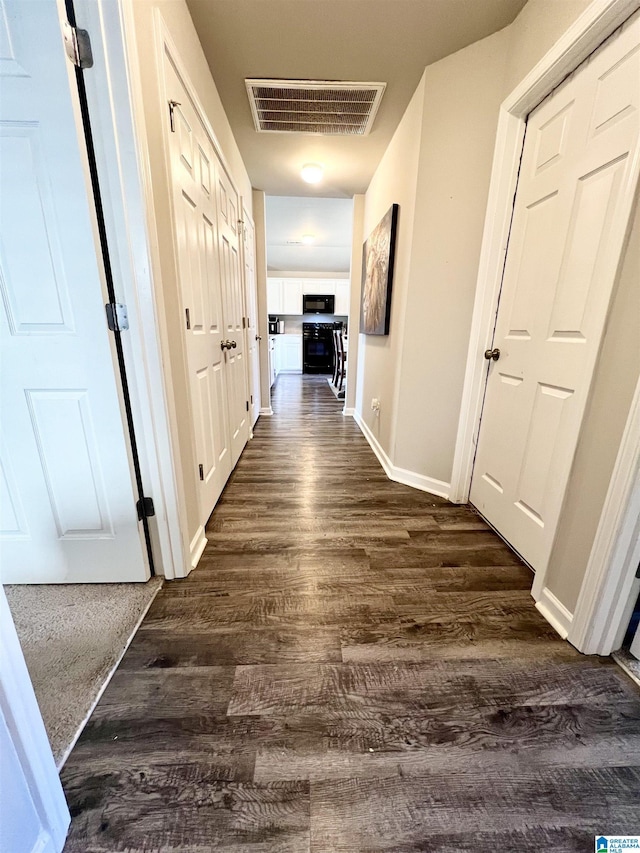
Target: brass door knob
x=258, y=337
x=225, y=344
x=232, y=344
x=492, y=354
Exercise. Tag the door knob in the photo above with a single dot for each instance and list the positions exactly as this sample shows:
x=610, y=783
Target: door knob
x=225, y=344
x=492, y=354
x=232, y=344
x=258, y=337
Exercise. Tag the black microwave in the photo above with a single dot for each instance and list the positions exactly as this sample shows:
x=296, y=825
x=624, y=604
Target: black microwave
x=318, y=304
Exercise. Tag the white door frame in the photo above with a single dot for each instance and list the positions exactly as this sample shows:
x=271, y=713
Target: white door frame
x=29, y=738
x=115, y=103
x=609, y=578
x=595, y=25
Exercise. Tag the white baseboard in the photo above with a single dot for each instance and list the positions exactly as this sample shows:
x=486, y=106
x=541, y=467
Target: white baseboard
x=554, y=612
x=402, y=475
x=375, y=445
x=268, y=411
x=422, y=482
x=349, y=413
x=198, y=544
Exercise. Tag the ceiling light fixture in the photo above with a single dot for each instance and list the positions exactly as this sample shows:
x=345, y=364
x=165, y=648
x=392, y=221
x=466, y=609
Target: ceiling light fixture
x=308, y=239
x=312, y=173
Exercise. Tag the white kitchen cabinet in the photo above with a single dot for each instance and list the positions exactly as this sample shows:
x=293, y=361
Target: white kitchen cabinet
x=275, y=296
x=342, y=297
x=291, y=296
x=318, y=286
x=289, y=353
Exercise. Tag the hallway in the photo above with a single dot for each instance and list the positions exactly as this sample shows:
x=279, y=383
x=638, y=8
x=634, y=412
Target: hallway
x=354, y=666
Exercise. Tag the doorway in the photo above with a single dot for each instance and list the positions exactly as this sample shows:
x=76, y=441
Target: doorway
x=309, y=243
x=577, y=182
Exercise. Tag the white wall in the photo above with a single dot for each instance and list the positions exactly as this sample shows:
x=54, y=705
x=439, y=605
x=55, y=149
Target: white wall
x=183, y=34
x=379, y=357
x=437, y=168
x=536, y=29
x=461, y=100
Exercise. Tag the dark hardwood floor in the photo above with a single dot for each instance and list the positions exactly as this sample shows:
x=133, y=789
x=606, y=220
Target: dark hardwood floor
x=354, y=666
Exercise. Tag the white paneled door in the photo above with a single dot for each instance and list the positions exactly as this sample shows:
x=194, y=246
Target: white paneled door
x=233, y=311
x=577, y=176
x=251, y=297
x=193, y=170
x=207, y=231
x=67, y=504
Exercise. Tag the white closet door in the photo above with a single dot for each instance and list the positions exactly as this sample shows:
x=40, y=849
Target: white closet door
x=67, y=503
x=253, y=354
x=233, y=312
x=193, y=171
x=577, y=180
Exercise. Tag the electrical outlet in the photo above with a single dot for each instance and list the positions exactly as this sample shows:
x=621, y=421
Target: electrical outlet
x=375, y=406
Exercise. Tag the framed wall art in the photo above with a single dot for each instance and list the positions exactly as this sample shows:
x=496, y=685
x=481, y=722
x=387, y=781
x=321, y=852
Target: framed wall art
x=377, y=275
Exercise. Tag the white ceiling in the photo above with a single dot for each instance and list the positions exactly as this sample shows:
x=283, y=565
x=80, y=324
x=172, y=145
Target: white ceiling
x=288, y=219
x=388, y=41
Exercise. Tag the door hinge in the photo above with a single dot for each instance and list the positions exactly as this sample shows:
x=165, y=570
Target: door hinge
x=251, y=398
x=145, y=508
x=247, y=405
x=117, y=316
x=188, y=317
x=201, y=471
x=244, y=319
x=77, y=45
x=172, y=106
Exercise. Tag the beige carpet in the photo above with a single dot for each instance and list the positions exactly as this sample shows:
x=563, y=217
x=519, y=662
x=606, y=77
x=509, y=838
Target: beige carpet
x=71, y=636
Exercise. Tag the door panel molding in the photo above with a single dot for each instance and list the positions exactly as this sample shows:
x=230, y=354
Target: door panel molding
x=587, y=33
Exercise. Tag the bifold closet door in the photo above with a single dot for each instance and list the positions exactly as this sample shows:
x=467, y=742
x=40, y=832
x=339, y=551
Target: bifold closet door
x=233, y=311
x=251, y=297
x=207, y=235
x=577, y=181
x=193, y=175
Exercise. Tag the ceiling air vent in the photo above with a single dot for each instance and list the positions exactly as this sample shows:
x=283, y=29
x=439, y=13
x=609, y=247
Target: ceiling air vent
x=314, y=106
